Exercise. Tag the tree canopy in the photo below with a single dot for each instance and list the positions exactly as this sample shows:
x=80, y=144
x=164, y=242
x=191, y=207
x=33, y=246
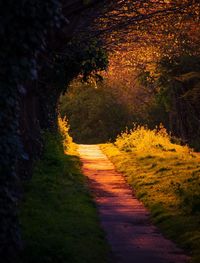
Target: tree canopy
x=45, y=44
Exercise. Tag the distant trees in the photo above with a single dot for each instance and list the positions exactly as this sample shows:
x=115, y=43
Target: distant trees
x=177, y=90
x=163, y=91
x=155, y=63
x=94, y=114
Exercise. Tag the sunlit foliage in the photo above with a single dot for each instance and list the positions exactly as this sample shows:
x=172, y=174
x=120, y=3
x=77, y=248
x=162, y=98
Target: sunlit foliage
x=170, y=37
x=68, y=145
x=145, y=141
x=166, y=25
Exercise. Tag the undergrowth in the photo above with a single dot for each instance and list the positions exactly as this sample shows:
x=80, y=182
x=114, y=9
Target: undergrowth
x=58, y=217
x=143, y=140
x=166, y=177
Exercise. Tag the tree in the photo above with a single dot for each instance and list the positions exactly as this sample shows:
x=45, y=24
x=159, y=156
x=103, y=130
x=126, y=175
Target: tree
x=94, y=114
x=33, y=37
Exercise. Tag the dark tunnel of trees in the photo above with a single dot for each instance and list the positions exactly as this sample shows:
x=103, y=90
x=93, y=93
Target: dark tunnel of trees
x=47, y=44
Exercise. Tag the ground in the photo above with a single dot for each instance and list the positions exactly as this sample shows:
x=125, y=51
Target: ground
x=132, y=236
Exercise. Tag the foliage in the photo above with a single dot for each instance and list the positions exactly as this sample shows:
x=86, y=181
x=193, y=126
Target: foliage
x=36, y=63
x=166, y=181
x=165, y=90
x=77, y=58
x=32, y=69
x=175, y=83
x=58, y=217
x=122, y=82
x=20, y=46
x=144, y=23
x=68, y=145
x=145, y=141
x=94, y=114
x=24, y=30
x=168, y=42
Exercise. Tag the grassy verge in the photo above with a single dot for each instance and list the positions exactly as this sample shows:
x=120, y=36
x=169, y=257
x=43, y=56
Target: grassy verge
x=58, y=217
x=168, y=183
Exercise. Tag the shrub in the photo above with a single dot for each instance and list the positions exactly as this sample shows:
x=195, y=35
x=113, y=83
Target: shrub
x=67, y=140
x=141, y=139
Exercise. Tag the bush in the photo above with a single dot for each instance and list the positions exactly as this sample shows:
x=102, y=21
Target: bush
x=67, y=140
x=143, y=140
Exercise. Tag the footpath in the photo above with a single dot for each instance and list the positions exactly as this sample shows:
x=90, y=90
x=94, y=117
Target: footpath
x=126, y=223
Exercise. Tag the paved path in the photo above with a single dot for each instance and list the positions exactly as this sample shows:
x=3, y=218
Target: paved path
x=132, y=237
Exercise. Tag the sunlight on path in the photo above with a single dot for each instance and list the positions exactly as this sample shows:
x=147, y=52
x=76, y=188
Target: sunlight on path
x=132, y=237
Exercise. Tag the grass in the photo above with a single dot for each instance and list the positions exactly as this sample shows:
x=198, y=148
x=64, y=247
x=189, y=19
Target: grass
x=58, y=217
x=167, y=182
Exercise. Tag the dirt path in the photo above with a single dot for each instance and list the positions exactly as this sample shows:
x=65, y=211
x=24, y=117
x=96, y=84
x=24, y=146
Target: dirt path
x=132, y=237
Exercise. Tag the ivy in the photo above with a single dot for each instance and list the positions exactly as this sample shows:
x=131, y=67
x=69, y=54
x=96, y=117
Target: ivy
x=29, y=64
x=24, y=28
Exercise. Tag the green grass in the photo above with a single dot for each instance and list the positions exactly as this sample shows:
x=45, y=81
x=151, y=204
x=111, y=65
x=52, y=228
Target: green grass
x=58, y=217
x=169, y=186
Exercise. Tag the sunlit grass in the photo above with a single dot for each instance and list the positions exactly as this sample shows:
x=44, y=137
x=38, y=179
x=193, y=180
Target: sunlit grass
x=167, y=181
